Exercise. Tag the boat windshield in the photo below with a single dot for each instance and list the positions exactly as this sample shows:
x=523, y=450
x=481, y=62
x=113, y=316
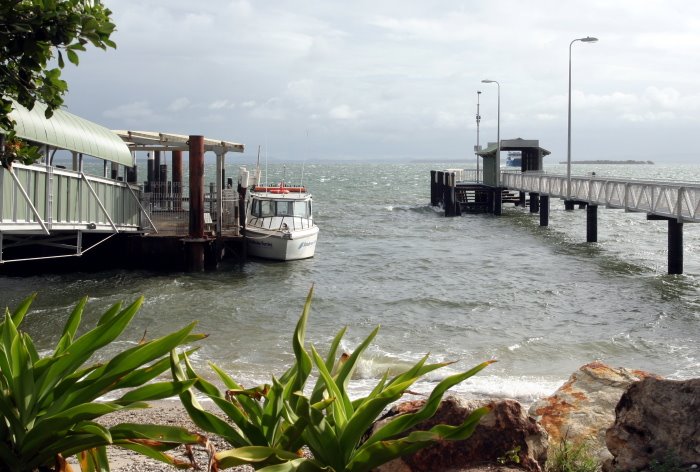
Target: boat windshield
x=268, y=208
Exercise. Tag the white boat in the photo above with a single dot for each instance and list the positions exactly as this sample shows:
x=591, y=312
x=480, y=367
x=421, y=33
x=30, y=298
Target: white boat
x=279, y=223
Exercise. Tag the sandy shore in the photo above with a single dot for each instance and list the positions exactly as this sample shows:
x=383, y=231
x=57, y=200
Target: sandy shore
x=167, y=412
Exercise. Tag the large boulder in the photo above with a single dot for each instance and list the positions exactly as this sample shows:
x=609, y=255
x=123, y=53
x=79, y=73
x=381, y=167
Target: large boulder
x=656, y=420
x=505, y=431
x=583, y=408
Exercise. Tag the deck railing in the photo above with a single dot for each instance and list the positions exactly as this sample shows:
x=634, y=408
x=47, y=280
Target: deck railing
x=43, y=199
x=668, y=199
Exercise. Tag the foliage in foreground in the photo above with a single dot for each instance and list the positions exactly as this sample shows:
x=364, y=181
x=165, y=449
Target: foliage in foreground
x=32, y=34
x=572, y=457
x=48, y=405
x=272, y=422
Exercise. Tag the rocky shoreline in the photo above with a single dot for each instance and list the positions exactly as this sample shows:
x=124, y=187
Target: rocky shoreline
x=626, y=428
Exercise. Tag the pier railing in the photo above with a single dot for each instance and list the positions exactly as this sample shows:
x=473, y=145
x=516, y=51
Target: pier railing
x=168, y=210
x=667, y=199
x=43, y=199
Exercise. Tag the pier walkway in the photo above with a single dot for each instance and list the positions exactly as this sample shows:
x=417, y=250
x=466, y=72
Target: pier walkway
x=459, y=191
x=663, y=199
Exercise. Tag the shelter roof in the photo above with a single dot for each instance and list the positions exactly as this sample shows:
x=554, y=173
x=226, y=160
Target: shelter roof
x=517, y=144
x=155, y=141
x=67, y=131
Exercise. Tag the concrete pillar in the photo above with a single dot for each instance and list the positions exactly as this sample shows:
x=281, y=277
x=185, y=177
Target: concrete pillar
x=521, y=199
x=675, y=247
x=592, y=223
x=544, y=210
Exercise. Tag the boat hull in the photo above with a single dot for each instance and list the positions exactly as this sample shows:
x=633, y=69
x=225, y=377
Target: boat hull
x=277, y=246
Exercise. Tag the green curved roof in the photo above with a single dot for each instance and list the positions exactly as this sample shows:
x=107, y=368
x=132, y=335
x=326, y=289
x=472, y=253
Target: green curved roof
x=67, y=131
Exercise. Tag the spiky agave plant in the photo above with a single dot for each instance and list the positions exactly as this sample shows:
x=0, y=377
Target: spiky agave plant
x=48, y=405
x=273, y=421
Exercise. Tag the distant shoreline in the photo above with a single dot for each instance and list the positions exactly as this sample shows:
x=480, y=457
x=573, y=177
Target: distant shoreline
x=609, y=162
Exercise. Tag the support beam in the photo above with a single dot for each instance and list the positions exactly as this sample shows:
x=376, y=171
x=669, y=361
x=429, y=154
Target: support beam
x=544, y=210
x=592, y=223
x=568, y=205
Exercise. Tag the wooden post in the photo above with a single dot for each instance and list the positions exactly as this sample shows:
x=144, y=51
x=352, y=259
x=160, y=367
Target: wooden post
x=592, y=223
x=675, y=247
x=194, y=244
x=521, y=199
x=544, y=210
x=433, y=188
x=498, y=201
x=196, y=187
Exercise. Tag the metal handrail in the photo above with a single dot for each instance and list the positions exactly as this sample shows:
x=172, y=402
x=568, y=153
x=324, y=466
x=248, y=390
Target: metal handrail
x=661, y=198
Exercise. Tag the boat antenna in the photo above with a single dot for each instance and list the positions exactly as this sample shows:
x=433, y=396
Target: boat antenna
x=266, y=162
x=257, y=169
x=301, y=184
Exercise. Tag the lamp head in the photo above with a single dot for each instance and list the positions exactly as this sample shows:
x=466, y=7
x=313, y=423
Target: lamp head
x=488, y=81
x=589, y=39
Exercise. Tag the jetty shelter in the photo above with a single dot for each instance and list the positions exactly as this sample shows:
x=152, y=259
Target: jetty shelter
x=82, y=197
x=530, y=151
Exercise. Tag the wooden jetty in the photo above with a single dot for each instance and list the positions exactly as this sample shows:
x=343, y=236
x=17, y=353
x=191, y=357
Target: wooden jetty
x=467, y=192
x=58, y=218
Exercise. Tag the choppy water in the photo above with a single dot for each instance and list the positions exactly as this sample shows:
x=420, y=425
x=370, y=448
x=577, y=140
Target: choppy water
x=539, y=300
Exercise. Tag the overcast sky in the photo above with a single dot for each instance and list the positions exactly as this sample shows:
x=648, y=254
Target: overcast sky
x=326, y=80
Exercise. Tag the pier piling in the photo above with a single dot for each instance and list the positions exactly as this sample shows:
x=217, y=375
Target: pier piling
x=592, y=223
x=675, y=247
x=544, y=210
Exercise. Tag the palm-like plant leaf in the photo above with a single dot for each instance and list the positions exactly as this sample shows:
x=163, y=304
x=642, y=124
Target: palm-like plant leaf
x=48, y=405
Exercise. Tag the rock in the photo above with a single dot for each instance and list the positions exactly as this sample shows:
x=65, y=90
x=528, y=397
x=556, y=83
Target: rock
x=584, y=407
x=656, y=420
x=506, y=428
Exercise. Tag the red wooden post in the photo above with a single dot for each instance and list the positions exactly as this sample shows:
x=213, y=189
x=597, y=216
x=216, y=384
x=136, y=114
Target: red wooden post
x=196, y=186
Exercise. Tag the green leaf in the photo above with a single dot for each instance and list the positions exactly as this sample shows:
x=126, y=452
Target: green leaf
x=154, y=391
x=372, y=455
x=201, y=417
x=21, y=311
x=252, y=455
x=317, y=393
x=403, y=422
x=340, y=415
x=72, y=57
x=71, y=327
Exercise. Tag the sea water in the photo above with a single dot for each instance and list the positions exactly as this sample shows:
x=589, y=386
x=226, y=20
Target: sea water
x=540, y=301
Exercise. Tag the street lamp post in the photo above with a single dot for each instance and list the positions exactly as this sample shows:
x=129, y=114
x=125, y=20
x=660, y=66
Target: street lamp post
x=587, y=39
x=498, y=132
x=478, y=146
